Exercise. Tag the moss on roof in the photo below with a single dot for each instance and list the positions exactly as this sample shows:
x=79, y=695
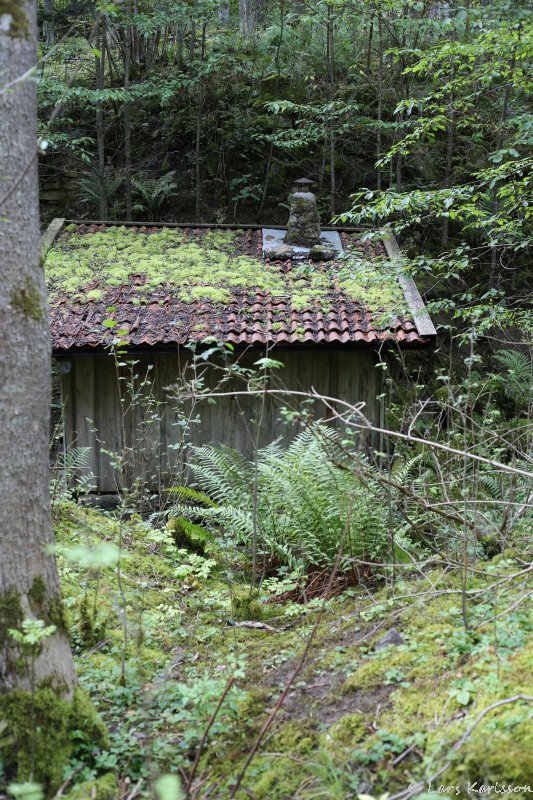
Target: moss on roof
x=208, y=267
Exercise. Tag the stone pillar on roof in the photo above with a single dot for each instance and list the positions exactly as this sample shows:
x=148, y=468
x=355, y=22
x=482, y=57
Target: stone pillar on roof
x=303, y=228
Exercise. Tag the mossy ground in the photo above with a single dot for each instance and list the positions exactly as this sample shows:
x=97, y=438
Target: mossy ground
x=352, y=711
x=209, y=267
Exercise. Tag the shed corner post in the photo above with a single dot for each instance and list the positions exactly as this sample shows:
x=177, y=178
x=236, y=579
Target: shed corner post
x=51, y=234
x=64, y=368
x=383, y=400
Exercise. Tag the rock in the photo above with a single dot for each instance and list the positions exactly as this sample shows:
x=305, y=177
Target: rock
x=303, y=228
x=104, y=502
x=391, y=637
x=322, y=252
x=280, y=252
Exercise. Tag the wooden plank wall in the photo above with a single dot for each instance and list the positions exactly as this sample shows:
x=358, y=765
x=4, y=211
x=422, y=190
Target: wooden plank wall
x=149, y=425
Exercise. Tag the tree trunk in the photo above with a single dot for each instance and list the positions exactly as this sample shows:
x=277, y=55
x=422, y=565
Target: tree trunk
x=380, y=99
x=29, y=586
x=249, y=16
x=277, y=63
x=330, y=57
x=499, y=144
x=99, y=65
x=48, y=24
x=127, y=120
x=198, y=152
x=450, y=138
x=223, y=14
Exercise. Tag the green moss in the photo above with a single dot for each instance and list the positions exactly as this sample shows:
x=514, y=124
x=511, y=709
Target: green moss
x=27, y=300
x=40, y=726
x=279, y=777
x=246, y=605
x=347, y=731
x=253, y=705
x=95, y=294
x=37, y=591
x=51, y=610
x=11, y=615
x=179, y=639
x=86, y=623
x=104, y=788
x=495, y=754
x=56, y=614
x=209, y=267
x=19, y=26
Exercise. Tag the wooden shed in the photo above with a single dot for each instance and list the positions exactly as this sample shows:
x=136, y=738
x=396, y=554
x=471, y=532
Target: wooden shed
x=134, y=305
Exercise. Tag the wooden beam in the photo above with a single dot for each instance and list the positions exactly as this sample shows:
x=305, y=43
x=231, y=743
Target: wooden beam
x=50, y=234
x=218, y=226
x=421, y=318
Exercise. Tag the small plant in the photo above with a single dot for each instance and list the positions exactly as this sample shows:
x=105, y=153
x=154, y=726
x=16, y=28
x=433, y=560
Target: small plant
x=72, y=475
x=194, y=565
x=463, y=692
x=396, y=676
x=90, y=188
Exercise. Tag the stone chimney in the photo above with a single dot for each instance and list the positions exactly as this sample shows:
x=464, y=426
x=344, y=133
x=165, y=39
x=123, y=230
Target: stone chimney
x=303, y=239
x=303, y=229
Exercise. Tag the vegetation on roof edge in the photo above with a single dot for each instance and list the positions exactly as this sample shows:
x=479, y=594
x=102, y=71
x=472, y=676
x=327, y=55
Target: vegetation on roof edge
x=206, y=268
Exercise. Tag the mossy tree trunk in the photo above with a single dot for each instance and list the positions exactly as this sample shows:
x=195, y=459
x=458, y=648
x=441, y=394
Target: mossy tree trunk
x=29, y=586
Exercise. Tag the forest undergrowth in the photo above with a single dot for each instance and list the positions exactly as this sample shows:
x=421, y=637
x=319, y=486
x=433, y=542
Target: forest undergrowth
x=204, y=662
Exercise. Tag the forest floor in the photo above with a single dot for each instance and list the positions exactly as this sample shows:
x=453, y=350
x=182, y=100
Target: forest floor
x=358, y=717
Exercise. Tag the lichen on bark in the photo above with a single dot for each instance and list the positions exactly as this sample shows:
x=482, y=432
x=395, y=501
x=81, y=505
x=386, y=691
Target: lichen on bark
x=26, y=299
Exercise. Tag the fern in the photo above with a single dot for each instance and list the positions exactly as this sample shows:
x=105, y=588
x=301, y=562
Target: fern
x=73, y=474
x=185, y=493
x=152, y=192
x=307, y=502
x=516, y=383
x=89, y=188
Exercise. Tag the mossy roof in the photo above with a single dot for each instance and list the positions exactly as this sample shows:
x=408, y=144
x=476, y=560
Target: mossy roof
x=168, y=285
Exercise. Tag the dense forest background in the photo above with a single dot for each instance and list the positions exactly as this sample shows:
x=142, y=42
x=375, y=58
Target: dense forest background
x=206, y=111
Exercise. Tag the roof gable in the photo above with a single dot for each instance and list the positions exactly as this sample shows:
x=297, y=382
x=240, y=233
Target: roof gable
x=178, y=284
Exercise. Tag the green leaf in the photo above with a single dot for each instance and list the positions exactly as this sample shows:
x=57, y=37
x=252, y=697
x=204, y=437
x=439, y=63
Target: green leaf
x=191, y=494
x=105, y=555
x=268, y=363
x=168, y=787
x=463, y=697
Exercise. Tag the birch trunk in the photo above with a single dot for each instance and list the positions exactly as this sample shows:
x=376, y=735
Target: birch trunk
x=29, y=586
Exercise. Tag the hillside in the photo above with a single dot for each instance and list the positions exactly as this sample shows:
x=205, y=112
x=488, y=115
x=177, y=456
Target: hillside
x=357, y=718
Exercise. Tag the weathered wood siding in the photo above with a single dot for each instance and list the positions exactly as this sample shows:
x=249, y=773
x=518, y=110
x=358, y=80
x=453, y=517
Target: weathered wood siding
x=150, y=428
